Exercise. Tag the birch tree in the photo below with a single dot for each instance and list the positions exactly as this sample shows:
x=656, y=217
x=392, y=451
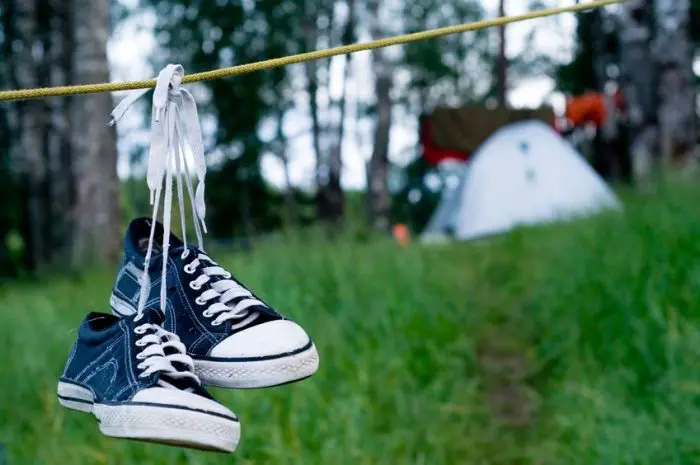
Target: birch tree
x=639, y=87
x=97, y=231
x=673, y=57
x=379, y=199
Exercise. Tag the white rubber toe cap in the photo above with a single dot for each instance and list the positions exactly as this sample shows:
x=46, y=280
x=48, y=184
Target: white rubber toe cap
x=177, y=398
x=264, y=340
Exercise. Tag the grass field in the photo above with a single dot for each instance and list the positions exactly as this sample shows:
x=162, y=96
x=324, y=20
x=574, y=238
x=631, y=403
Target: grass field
x=574, y=344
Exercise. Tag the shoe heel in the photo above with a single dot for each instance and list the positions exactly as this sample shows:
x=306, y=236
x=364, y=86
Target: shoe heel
x=75, y=397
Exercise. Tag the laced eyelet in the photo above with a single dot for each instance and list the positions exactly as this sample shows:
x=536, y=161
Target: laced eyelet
x=140, y=356
x=139, y=330
x=185, y=254
x=139, y=317
x=199, y=301
x=228, y=275
x=195, y=287
x=215, y=323
x=206, y=313
x=140, y=366
x=140, y=343
x=188, y=269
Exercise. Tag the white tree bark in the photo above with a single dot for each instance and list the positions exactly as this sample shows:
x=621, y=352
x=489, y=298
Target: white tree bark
x=639, y=88
x=97, y=215
x=378, y=170
x=673, y=56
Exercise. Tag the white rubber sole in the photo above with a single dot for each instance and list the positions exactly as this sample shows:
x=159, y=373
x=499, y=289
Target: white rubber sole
x=259, y=372
x=155, y=423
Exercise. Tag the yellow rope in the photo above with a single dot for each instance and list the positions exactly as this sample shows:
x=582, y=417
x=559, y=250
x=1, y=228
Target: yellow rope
x=25, y=94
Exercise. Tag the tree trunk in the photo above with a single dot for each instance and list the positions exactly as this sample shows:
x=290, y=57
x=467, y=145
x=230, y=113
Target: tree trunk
x=289, y=195
x=30, y=163
x=311, y=68
x=673, y=56
x=60, y=173
x=502, y=65
x=378, y=172
x=334, y=198
x=97, y=230
x=639, y=87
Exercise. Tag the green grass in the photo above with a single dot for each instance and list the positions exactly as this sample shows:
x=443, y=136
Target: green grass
x=587, y=331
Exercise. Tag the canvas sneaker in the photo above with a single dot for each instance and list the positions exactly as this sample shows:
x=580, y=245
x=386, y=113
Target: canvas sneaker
x=136, y=378
x=235, y=338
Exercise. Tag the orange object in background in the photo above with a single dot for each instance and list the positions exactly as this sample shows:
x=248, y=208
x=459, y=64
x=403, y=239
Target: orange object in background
x=401, y=234
x=590, y=108
x=586, y=108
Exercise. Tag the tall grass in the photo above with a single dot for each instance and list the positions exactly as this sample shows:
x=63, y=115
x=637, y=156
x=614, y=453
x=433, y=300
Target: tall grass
x=587, y=331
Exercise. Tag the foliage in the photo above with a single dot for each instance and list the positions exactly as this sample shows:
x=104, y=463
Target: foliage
x=208, y=35
x=11, y=245
x=578, y=76
x=448, y=70
x=415, y=212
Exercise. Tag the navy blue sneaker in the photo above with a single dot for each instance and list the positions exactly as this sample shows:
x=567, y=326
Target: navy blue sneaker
x=235, y=339
x=136, y=378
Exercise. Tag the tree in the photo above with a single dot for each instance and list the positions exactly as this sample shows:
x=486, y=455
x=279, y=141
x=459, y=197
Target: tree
x=93, y=144
x=673, y=54
x=64, y=161
x=379, y=198
x=331, y=196
x=502, y=63
x=639, y=86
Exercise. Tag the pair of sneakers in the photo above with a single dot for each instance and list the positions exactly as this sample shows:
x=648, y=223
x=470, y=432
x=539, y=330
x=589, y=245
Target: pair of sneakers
x=179, y=321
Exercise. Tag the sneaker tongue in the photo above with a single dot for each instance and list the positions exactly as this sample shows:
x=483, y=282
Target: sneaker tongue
x=153, y=315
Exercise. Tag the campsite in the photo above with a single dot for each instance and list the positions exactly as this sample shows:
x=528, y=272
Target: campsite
x=324, y=233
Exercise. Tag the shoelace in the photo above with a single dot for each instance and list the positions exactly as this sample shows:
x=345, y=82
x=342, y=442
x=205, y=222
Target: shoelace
x=162, y=350
x=174, y=126
x=221, y=293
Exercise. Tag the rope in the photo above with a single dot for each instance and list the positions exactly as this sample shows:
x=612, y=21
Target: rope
x=25, y=94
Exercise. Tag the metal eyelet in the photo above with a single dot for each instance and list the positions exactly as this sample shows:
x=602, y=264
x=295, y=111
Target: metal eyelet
x=195, y=287
x=139, y=343
x=188, y=269
x=199, y=301
x=207, y=313
x=185, y=254
x=139, y=330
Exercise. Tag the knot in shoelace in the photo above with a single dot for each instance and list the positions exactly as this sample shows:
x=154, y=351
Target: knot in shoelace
x=162, y=351
x=174, y=127
x=227, y=299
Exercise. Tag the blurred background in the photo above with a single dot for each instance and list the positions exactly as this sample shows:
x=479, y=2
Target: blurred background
x=570, y=342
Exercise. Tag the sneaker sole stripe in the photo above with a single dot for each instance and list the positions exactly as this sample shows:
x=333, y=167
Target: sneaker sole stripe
x=261, y=358
x=142, y=404
x=258, y=373
x=161, y=423
x=171, y=406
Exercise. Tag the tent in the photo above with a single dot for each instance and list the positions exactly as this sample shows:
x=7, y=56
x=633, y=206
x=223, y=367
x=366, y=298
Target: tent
x=524, y=174
x=456, y=133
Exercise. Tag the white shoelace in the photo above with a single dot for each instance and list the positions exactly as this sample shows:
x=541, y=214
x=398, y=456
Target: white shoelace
x=221, y=293
x=171, y=105
x=155, y=355
x=174, y=125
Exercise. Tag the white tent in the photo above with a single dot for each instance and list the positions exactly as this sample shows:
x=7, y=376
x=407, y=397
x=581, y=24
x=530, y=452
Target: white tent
x=524, y=174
